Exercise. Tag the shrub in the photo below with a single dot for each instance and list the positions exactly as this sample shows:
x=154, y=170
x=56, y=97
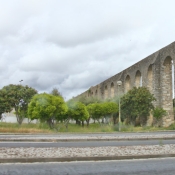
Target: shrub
x=159, y=112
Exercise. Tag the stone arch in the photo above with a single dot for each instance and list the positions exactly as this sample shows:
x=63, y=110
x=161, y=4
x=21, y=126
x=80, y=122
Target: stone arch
x=112, y=89
x=138, y=79
x=127, y=83
x=150, y=78
x=96, y=92
x=106, y=92
x=167, y=90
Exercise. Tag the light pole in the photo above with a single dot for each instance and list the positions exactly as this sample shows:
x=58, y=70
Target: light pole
x=20, y=81
x=119, y=83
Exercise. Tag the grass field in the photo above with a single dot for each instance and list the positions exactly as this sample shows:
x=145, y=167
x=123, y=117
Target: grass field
x=73, y=128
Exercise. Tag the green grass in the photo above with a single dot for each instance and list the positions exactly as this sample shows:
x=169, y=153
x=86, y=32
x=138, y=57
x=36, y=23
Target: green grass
x=73, y=128
x=94, y=127
x=24, y=128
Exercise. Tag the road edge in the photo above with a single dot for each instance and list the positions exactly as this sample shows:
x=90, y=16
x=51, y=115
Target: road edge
x=70, y=159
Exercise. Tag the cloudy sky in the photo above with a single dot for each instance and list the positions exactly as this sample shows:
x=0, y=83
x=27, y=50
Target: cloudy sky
x=74, y=44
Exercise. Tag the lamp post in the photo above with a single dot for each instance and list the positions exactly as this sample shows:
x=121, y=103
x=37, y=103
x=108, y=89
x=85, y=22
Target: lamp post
x=20, y=81
x=119, y=83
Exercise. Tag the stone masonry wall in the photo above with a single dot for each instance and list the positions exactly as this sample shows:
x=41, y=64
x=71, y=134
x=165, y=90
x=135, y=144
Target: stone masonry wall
x=154, y=72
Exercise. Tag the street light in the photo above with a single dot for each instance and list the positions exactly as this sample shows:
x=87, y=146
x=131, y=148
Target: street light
x=119, y=83
x=20, y=81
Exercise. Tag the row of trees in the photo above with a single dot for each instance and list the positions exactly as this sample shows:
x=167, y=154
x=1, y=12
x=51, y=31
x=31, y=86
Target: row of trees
x=51, y=108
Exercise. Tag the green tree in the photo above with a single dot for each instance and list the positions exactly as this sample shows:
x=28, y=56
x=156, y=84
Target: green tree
x=137, y=103
x=95, y=110
x=88, y=100
x=18, y=97
x=4, y=105
x=77, y=111
x=47, y=108
x=109, y=109
x=56, y=92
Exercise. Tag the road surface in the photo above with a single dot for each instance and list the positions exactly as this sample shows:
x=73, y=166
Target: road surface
x=85, y=143
x=92, y=134
x=164, y=166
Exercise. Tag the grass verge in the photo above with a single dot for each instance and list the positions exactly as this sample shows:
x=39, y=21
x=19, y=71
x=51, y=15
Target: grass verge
x=73, y=128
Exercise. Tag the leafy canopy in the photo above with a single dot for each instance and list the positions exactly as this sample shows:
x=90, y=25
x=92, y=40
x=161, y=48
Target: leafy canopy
x=47, y=108
x=4, y=105
x=137, y=102
x=77, y=110
x=18, y=97
x=97, y=110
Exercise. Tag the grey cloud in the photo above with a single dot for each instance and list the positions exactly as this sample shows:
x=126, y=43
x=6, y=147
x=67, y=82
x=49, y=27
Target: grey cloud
x=73, y=45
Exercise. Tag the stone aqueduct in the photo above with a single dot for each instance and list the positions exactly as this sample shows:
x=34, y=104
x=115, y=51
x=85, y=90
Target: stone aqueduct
x=155, y=72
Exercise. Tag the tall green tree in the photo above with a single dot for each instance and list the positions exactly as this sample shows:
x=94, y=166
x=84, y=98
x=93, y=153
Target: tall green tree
x=138, y=102
x=56, y=92
x=18, y=97
x=77, y=111
x=48, y=108
x=4, y=105
x=95, y=110
x=109, y=109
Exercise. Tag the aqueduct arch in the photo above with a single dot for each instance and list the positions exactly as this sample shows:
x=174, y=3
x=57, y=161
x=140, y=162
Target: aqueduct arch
x=112, y=90
x=106, y=92
x=150, y=78
x=153, y=72
x=127, y=83
x=166, y=88
x=138, y=79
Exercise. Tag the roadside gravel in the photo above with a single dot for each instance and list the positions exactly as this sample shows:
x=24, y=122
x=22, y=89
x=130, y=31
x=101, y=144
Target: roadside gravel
x=86, y=152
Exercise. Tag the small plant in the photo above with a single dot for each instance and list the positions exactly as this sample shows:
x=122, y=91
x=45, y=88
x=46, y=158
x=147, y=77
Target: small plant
x=159, y=112
x=172, y=127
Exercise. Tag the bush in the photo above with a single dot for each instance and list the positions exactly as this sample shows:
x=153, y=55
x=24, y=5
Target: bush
x=159, y=112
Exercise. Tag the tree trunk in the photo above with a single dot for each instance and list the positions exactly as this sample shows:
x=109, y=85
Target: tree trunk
x=114, y=120
x=87, y=121
x=82, y=124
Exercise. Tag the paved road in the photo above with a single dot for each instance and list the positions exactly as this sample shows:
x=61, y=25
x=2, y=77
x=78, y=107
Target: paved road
x=85, y=144
x=131, y=167
x=74, y=134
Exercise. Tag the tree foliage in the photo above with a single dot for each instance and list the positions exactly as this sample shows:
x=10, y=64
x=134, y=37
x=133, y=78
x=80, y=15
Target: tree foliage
x=159, y=112
x=88, y=100
x=47, y=108
x=18, y=97
x=77, y=111
x=109, y=108
x=4, y=105
x=95, y=110
x=137, y=103
x=99, y=110
x=56, y=92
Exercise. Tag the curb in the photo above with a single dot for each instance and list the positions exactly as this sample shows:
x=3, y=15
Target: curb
x=84, y=140
x=65, y=133
x=70, y=159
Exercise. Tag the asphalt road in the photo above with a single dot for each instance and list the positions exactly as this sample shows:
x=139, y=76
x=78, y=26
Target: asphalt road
x=165, y=166
x=85, y=143
x=93, y=134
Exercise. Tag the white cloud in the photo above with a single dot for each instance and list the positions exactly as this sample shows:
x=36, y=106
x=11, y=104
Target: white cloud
x=74, y=44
